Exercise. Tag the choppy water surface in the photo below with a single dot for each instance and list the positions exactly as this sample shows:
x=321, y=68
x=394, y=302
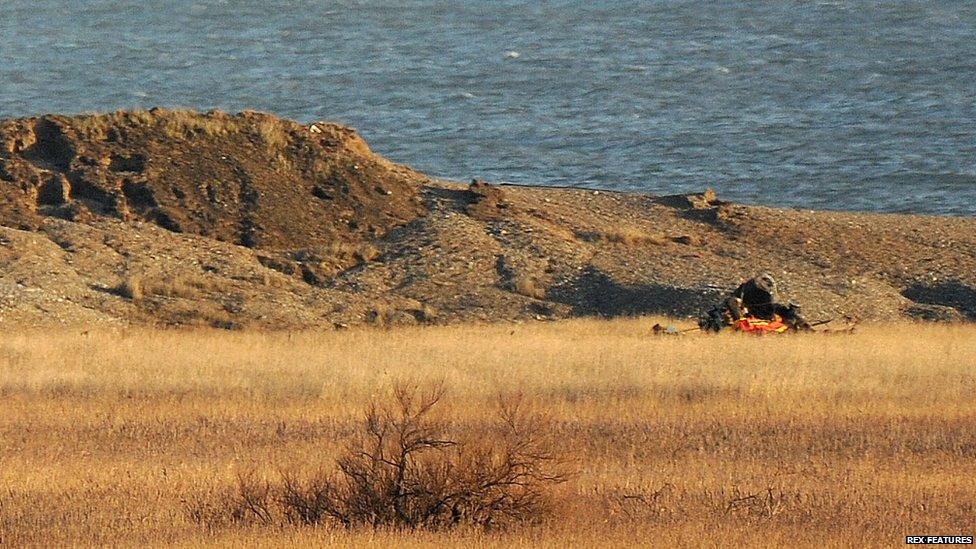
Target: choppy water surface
x=846, y=104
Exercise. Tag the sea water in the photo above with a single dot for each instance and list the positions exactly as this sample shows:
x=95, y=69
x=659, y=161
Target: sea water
x=843, y=104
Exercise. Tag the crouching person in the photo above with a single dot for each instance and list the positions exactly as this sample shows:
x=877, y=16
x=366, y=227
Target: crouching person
x=759, y=298
x=754, y=298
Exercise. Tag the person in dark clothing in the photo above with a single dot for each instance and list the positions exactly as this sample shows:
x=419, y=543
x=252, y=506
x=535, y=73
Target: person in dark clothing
x=756, y=297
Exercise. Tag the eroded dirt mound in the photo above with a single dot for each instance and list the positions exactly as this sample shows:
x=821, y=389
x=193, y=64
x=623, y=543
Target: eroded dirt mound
x=486, y=202
x=249, y=179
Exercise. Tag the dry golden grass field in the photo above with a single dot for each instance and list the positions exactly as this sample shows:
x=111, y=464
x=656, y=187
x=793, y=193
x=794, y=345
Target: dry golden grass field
x=139, y=437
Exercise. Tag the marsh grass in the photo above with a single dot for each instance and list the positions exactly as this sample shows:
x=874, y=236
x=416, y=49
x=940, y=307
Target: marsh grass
x=107, y=437
x=180, y=124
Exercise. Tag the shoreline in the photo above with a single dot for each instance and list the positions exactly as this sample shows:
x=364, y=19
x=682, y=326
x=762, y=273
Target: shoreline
x=175, y=218
x=771, y=206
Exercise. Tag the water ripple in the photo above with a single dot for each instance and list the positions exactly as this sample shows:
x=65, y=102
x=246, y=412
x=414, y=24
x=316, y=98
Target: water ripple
x=847, y=104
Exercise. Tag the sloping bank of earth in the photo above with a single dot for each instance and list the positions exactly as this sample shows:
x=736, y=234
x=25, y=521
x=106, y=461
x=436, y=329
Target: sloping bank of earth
x=180, y=218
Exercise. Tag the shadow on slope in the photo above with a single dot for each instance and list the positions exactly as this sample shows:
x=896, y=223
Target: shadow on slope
x=951, y=295
x=594, y=293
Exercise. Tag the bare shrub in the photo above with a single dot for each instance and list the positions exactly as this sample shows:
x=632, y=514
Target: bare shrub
x=640, y=503
x=255, y=499
x=407, y=471
x=320, y=264
x=421, y=312
x=172, y=287
x=271, y=134
x=136, y=287
x=632, y=236
x=366, y=253
x=131, y=288
x=428, y=313
x=529, y=287
x=724, y=212
x=345, y=252
x=381, y=314
x=250, y=500
x=762, y=504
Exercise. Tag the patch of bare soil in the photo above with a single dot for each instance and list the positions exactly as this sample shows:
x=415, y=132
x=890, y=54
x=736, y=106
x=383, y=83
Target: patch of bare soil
x=179, y=218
